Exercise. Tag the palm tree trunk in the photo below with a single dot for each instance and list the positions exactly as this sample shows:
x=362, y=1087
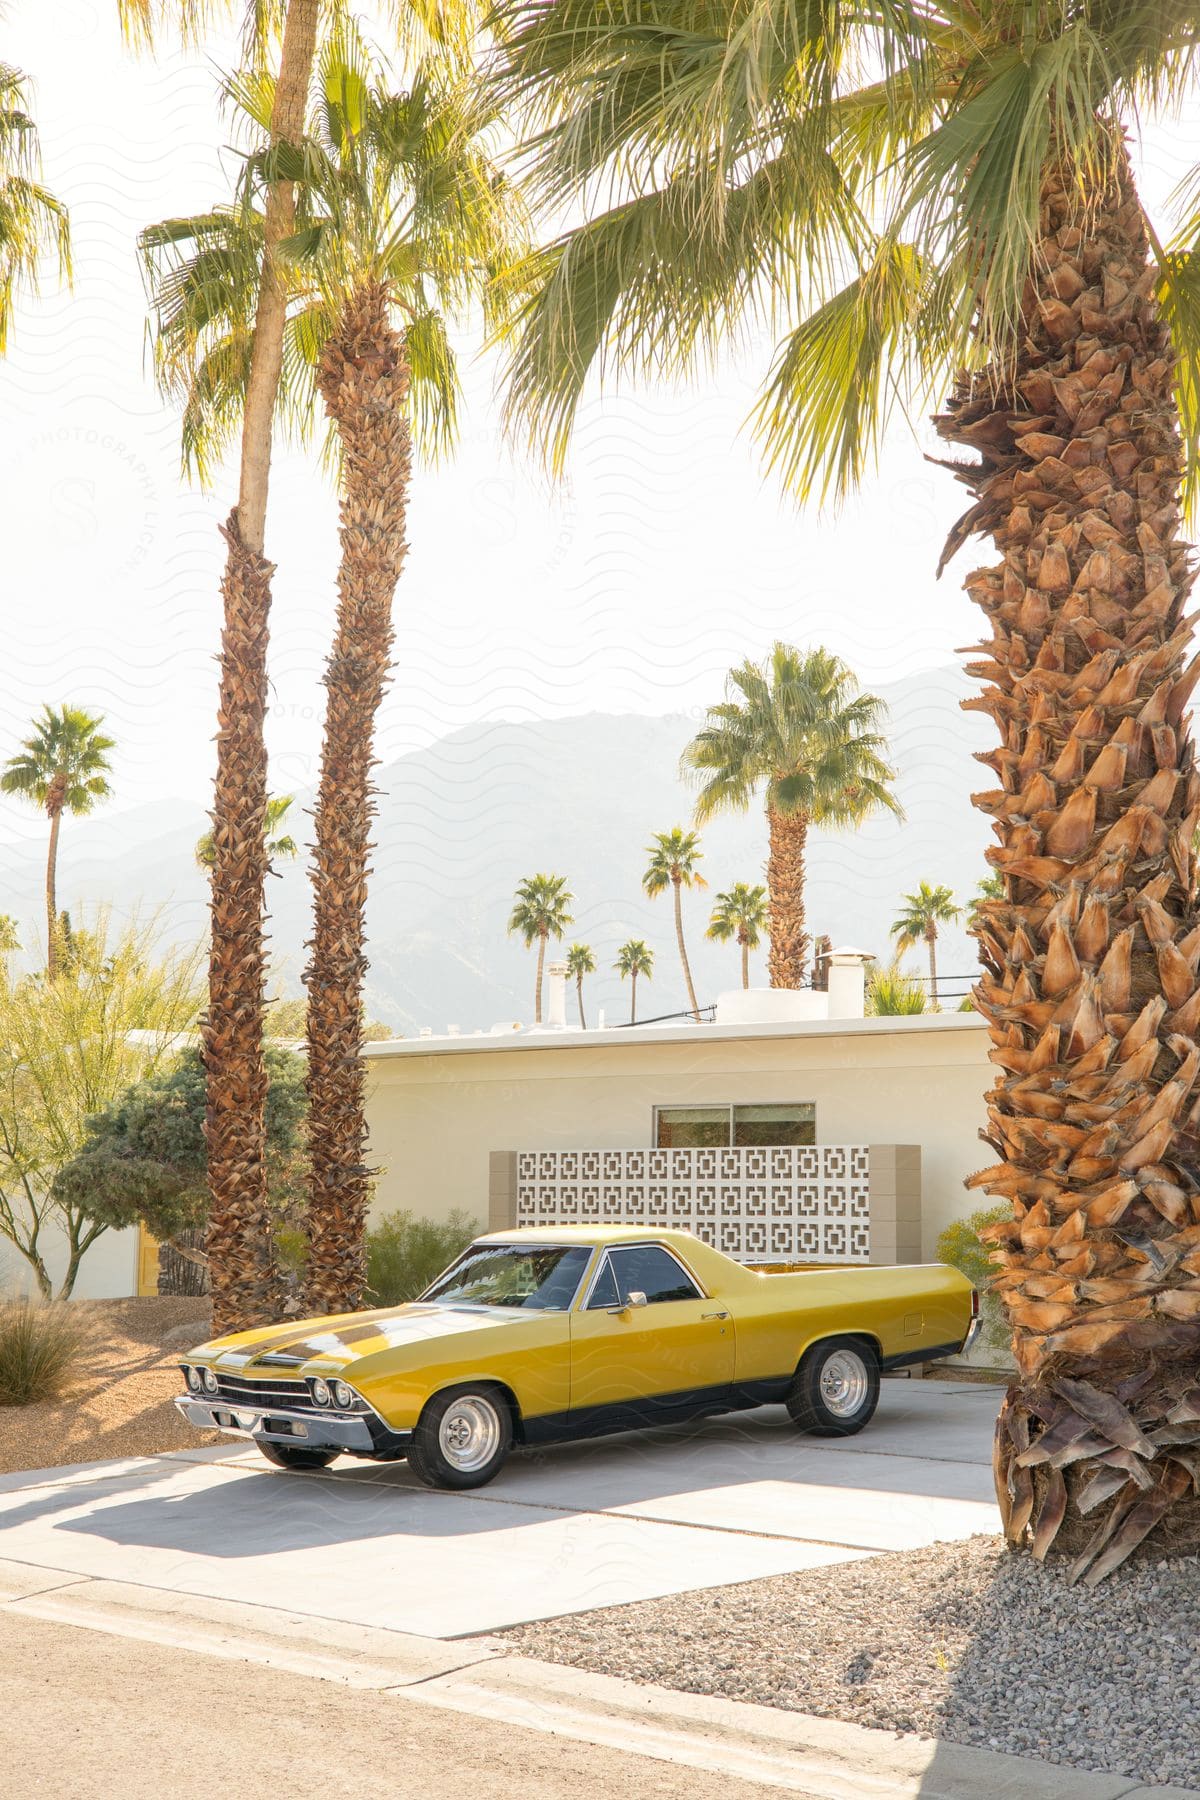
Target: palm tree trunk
x=788, y=834
x=1089, y=962
x=633, y=996
x=745, y=960
x=931, y=941
x=579, y=998
x=244, y=1286
x=687, y=971
x=537, y=986
x=364, y=383
x=52, y=927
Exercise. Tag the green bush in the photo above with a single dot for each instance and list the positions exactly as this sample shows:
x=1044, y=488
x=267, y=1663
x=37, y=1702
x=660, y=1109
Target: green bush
x=404, y=1254
x=890, y=993
x=40, y=1346
x=961, y=1247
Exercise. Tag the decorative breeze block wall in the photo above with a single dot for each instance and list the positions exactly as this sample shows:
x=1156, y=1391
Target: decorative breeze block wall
x=782, y=1203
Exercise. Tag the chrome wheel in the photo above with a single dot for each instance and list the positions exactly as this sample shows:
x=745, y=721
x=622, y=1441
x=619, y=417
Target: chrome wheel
x=470, y=1433
x=844, y=1383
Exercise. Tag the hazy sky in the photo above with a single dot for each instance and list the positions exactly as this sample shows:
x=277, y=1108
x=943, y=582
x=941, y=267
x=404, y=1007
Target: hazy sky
x=633, y=586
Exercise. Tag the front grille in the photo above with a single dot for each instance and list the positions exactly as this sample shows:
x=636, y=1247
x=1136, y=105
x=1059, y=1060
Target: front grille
x=289, y=1396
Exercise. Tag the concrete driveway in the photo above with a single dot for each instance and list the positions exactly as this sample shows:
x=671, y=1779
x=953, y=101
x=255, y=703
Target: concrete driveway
x=560, y=1531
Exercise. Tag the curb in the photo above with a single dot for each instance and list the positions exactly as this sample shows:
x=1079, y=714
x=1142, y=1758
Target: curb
x=819, y=1759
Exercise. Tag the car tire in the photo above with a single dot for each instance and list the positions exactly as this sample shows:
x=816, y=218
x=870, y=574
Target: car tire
x=835, y=1390
x=296, y=1456
x=462, y=1439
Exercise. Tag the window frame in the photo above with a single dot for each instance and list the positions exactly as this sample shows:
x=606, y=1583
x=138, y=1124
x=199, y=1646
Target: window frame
x=491, y=1306
x=585, y=1304
x=730, y=1108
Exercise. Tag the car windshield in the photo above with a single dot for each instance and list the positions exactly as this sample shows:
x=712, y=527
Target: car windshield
x=541, y=1277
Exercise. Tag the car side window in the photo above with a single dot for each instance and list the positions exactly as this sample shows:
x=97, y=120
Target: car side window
x=648, y=1269
x=604, y=1292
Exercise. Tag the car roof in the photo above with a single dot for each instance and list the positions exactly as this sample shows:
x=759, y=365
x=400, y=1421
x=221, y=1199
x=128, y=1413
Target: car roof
x=593, y=1236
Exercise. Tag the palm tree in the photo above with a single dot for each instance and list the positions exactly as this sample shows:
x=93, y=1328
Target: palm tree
x=580, y=962
x=797, y=727
x=31, y=219
x=963, y=214
x=923, y=912
x=634, y=959
x=280, y=844
x=540, y=911
x=673, y=858
x=740, y=913
x=400, y=215
x=62, y=767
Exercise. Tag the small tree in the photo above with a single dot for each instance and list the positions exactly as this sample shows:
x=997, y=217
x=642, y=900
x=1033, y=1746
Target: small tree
x=673, y=858
x=68, y=1048
x=891, y=993
x=633, y=959
x=740, y=914
x=541, y=911
x=143, y=1158
x=580, y=962
x=918, y=923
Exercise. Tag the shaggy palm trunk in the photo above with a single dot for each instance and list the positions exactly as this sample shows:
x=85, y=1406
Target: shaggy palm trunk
x=54, y=806
x=677, y=885
x=244, y=1286
x=364, y=383
x=788, y=834
x=1089, y=962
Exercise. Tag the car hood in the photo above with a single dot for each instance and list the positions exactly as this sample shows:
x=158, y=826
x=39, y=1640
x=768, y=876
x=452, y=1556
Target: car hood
x=352, y=1336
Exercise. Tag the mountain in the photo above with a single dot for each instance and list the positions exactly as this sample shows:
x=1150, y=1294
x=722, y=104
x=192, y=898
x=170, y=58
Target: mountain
x=462, y=821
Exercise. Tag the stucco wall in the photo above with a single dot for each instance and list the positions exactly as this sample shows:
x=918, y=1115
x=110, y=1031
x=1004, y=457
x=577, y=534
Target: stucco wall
x=108, y=1270
x=435, y=1114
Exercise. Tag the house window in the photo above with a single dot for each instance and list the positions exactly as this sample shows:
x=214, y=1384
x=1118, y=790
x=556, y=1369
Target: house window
x=719, y=1127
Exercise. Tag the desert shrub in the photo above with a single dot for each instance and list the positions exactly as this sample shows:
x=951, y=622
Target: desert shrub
x=405, y=1253
x=891, y=993
x=40, y=1346
x=960, y=1246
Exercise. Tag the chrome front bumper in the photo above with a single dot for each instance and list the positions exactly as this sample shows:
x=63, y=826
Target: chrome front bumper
x=317, y=1431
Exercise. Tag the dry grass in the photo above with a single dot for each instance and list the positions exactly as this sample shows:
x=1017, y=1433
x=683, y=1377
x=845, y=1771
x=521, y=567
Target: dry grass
x=118, y=1402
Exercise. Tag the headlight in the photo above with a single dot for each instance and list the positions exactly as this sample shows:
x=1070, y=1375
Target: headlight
x=192, y=1377
x=211, y=1384
x=343, y=1396
x=320, y=1391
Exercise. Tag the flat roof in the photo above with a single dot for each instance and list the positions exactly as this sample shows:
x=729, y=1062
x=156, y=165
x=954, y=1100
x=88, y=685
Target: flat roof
x=613, y=1037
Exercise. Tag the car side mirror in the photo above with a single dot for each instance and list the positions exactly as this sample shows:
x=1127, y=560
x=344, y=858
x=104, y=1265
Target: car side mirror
x=634, y=1298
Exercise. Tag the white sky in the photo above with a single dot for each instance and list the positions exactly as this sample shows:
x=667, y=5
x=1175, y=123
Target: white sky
x=662, y=560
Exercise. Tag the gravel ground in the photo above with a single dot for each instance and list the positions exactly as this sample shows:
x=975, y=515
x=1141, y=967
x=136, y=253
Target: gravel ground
x=961, y=1641
x=119, y=1403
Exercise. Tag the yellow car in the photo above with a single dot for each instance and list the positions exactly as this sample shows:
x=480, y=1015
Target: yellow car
x=540, y=1335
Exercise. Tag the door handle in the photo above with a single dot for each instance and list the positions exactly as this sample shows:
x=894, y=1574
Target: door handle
x=714, y=1315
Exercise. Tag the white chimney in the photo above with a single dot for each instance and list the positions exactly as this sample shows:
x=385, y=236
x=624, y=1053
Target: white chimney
x=556, y=1010
x=847, y=982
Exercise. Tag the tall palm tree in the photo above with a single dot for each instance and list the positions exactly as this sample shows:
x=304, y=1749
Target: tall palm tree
x=281, y=845
x=399, y=215
x=798, y=728
x=580, y=962
x=633, y=959
x=32, y=220
x=740, y=914
x=918, y=923
x=540, y=912
x=964, y=214
x=61, y=767
x=673, y=858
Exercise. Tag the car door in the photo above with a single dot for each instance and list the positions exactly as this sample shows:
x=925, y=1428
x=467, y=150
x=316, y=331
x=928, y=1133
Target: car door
x=680, y=1344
